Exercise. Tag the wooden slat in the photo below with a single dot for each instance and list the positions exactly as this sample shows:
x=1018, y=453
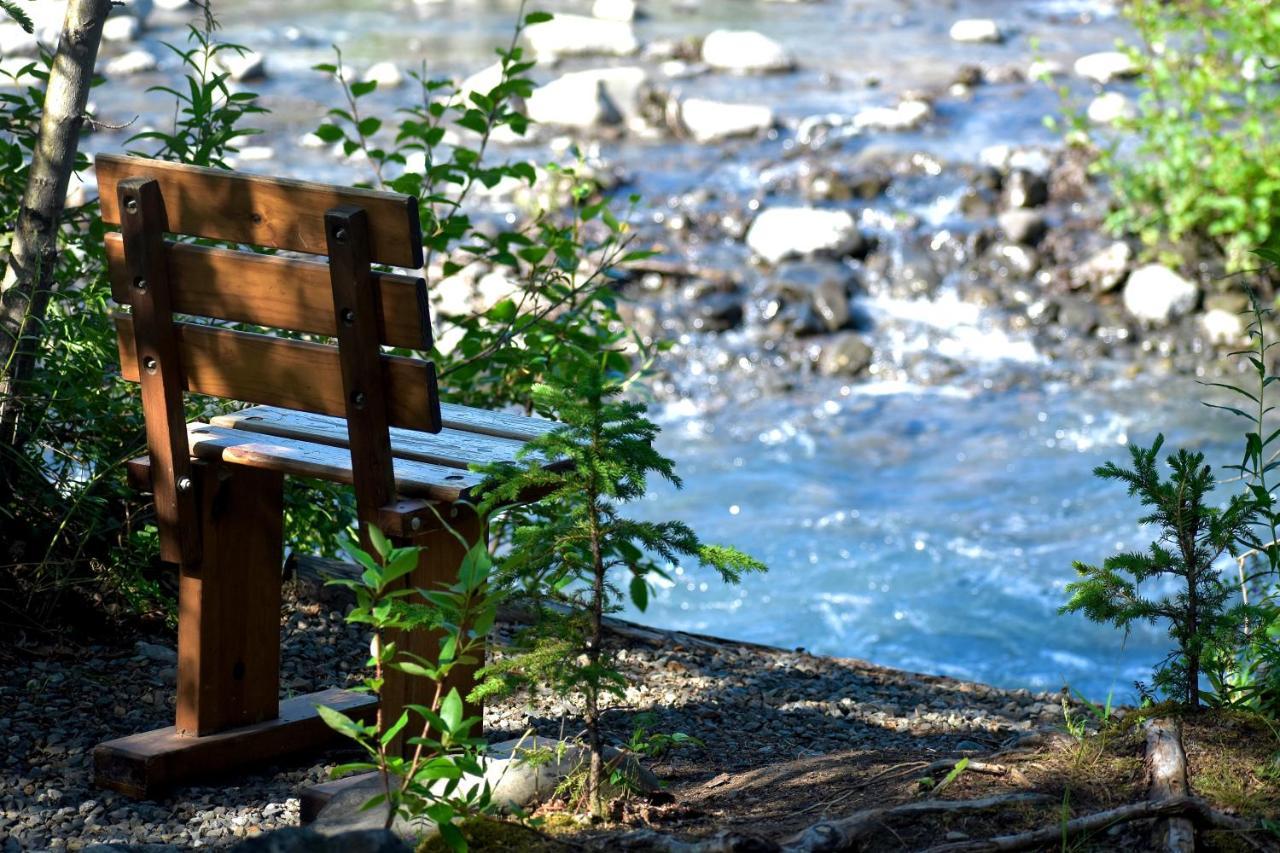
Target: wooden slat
x=449, y=447
x=500, y=424
x=292, y=374
x=159, y=368
x=304, y=459
x=147, y=764
x=283, y=293
x=275, y=212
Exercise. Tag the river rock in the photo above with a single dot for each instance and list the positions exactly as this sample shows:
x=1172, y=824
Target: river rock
x=785, y=232
x=386, y=74
x=136, y=61
x=1024, y=188
x=1111, y=107
x=1106, y=66
x=595, y=98
x=614, y=10
x=830, y=185
x=242, y=67
x=976, y=30
x=845, y=354
x=1157, y=295
x=814, y=294
x=907, y=115
x=745, y=52
x=1023, y=226
x=713, y=121
x=155, y=652
x=914, y=272
x=1222, y=327
x=1045, y=69
x=1105, y=269
x=579, y=35
x=121, y=28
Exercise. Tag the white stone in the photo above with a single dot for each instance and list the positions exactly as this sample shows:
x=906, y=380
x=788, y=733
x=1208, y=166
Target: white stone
x=1106, y=66
x=310, y=140
x=579, y=35
x=386, y=74
x=783, y=232
x=134, y=62
x=594, y=98
x=256, y=152
x=250, y=65
x=121, y=28
x=172, y=5
x=1045, y=69
x=907, y=115
x=614, y=10
x=1157, y=295
x=1222, y=327
x=1110, y=107
x=976, y=30
x=678, y=69
x=745, y=52
x=712, y=121
x=15, y=41
x=1104, y=270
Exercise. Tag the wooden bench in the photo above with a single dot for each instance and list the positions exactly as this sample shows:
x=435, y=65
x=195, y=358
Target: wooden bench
x=349, y=413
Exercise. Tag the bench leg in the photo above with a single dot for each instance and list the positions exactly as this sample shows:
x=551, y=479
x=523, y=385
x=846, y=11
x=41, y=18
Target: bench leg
x=438, y=565
x=229, y=715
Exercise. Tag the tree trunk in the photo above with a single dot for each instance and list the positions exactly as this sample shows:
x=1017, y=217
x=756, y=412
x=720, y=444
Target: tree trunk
x=595, y=773
x=24, y=295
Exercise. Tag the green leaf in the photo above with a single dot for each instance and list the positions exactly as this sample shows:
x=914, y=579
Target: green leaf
x=453, y=837
x=451, y=711
x=359, y=90
x=380, y=542
x=639, y=592
x=340, y=722
x=369, y=126
x=537, y=18
x=395, y=729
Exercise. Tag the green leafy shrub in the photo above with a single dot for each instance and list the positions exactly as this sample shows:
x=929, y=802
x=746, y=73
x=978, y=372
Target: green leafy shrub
x=1204, y=163
x=570, y=545
x=1193, y=534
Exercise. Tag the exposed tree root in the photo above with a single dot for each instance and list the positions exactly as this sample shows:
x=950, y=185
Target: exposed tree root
x=1167, y=775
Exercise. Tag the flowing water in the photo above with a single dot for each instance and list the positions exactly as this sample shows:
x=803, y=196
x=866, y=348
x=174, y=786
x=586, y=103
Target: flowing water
x=925, y=526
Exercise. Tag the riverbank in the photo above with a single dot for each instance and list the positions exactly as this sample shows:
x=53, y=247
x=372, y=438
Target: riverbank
x=788, y=739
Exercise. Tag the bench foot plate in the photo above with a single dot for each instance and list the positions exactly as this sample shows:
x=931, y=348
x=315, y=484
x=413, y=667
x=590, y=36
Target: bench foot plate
x=148, y=764
x=313, y=798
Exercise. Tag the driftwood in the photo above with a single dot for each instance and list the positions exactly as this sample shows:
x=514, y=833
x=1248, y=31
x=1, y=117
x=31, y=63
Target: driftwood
x=1050, y=836
x=1167, y=772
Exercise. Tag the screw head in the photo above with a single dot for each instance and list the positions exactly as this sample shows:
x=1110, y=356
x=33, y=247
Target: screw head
x=131, y=205
x=149, y=364
x=348, y=316
x=340, y=235
x=415, y=524
x=140, y=283
x=184, y=484
x=358, y=398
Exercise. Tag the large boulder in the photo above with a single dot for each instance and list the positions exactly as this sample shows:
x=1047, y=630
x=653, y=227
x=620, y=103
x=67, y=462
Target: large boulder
x=595, y=98
x=579, y=35
x=745, y=52
x=784, y=232
x=712, y=121
x=1106, y=66
x=1156, y=295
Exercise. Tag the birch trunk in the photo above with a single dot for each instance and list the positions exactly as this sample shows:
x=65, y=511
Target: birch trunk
x=24, y=295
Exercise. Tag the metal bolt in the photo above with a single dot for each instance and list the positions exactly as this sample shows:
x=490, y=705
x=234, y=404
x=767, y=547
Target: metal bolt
x=140, y=283
x=184, y=484
x=149, y=364
x=358, y=398
x=340, y=235
x=131, y=205
x=348, y=316
x=415, y=524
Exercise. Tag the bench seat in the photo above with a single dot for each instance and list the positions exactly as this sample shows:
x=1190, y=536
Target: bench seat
x=426, y=465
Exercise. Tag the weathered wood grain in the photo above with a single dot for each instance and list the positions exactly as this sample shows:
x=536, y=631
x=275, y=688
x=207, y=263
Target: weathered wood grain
x=282, y=293
x=275, y=212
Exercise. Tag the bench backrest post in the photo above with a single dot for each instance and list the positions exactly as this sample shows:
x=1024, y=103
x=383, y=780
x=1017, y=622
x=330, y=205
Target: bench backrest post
x=355, y=308
x=143, y=223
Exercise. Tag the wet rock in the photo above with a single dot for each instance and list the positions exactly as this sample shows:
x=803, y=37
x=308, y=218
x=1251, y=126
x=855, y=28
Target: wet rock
x=121, y=28
x=1025, y=189
x=717, y=311
x=1222, y=327
x=134, y=62
x=579, y=35
x=907, y=115
x=967, y=76
x=1045, y=69
x=815, y=295
x=976, y=30
x=1106, y=66
x=785, y=232
x=1104, y=270
x=250, y=65
x=1111, y=107
x=296, y=839
x=1157, y=295
x=745, y=52
x=1017, y=261
x=1078, y=315
x=614, y=10
x=713, y=121
x=596, y=98
x=386, y=74
x=915, y=273
x=845, y=355
x=830, y=185
x=977, y=203
x=1023, y=226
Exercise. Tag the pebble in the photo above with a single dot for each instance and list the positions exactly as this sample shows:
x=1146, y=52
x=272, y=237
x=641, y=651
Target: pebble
x=1106, y=66
x=976, y=30
x=745, y=52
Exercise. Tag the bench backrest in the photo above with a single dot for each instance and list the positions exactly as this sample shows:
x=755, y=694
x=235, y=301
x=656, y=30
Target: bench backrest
x=363, y=309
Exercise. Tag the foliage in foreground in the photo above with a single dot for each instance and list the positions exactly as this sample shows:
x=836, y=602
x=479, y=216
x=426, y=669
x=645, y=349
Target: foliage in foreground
x=1199, y=162
x=570, y=545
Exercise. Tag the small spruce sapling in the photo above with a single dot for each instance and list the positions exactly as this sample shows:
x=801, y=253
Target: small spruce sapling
x=573, y=542
x=1193, y=535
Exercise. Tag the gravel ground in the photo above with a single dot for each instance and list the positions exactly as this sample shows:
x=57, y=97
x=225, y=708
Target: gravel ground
x=752, y=706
